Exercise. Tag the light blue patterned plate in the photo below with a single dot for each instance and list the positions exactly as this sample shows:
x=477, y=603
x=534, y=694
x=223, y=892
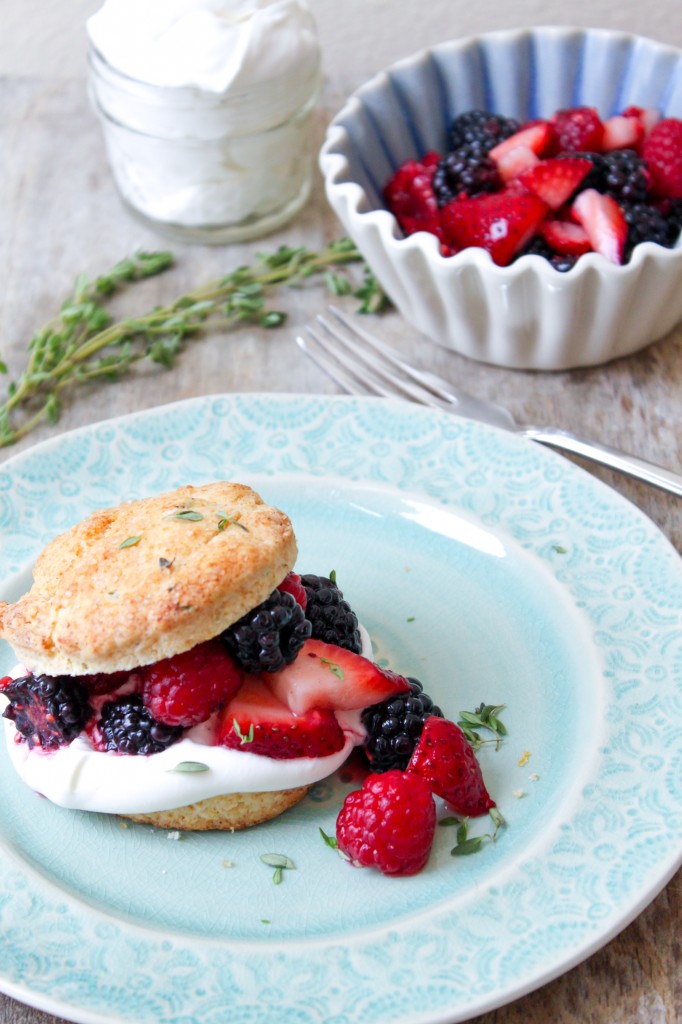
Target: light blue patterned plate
x=492, y=569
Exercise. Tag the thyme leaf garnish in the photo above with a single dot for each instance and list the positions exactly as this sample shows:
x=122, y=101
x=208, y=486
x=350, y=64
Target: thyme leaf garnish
x=130, y=542
x=188, y=514
x=485, y=716
x=333, y=667
x=280, y=863
x=224, y=521
x=242, y=738
x=84, y=345
x=330, y=841
x=189, y=767
x=467, y=844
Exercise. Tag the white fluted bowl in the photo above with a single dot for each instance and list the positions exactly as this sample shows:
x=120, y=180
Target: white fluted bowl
x=526, y=315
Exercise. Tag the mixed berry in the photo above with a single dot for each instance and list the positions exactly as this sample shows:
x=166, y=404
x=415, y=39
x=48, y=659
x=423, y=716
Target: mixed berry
x=273, y=685
x=558, y=187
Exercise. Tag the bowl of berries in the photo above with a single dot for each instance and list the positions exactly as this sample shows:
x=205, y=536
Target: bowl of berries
x=518, y=194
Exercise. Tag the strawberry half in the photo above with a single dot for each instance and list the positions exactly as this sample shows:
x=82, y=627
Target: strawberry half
x=535, y=135
x=501, y=222
x=515, y=162
x=445, y=760
x=257, y=722
x=565, y=237
x=329, y=677
x=604, y=223
x=555, y=180
x=622, y=132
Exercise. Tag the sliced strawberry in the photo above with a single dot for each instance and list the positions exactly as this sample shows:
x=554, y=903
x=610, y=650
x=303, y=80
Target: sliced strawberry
x=604, y=223
x=578, y=128
x=535, y=135
x=555, y=180
x=410, y=196
x=662, y=150
x=622, y=132
x=445, y=760
x=501, y=222
x=565, y=237
x=512, y=164
x=327, y=676
x=257, y=722
x=647, y=116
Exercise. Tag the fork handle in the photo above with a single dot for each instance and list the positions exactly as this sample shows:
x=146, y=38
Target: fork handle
x=604, y=454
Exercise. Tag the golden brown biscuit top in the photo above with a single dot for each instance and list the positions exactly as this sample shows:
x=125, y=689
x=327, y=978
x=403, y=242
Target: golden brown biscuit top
x=149, y=579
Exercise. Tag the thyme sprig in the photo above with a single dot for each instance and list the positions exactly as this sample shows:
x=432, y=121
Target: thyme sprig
x=83, y=344
x=467, y=844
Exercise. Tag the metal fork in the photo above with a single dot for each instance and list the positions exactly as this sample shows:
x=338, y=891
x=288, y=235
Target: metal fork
x=362, y=364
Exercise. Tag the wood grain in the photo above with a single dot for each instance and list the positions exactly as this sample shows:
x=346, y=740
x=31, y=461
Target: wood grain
x=59, y=215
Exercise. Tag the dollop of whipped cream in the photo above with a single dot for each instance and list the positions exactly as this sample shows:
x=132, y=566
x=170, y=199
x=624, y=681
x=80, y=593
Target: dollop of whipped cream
x=215, y=45
x=82, y=778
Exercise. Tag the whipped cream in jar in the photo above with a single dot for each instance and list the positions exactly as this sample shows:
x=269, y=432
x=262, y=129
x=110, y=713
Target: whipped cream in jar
x=206, y=107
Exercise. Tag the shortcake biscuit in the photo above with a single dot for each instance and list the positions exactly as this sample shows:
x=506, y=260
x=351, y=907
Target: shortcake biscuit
x=149, y=579
x=229, y=813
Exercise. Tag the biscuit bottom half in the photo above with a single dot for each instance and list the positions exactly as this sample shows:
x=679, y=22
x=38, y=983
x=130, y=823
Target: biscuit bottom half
x=228, y=813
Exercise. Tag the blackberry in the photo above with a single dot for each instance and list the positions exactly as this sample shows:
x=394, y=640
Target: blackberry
x=395, y=725
x=537, y=246
x=467, y=169
x=621, y=174
x=331, y=617
x=480, y=127
x=128, y=727
x=48, y=711
x=269, y=636
x=625, y=176
x=647, y=224
x=674, y=215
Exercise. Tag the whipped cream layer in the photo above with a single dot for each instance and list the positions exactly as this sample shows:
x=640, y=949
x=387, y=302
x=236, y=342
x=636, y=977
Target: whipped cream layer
x=81, y=778
x=215, y=45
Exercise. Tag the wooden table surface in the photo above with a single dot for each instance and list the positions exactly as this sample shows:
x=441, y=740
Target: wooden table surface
x=59, y=216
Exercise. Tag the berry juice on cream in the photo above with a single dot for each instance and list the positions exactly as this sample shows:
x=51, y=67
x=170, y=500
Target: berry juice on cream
x=206, y=110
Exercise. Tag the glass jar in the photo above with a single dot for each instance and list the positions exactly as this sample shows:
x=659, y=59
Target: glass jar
x=209, y=167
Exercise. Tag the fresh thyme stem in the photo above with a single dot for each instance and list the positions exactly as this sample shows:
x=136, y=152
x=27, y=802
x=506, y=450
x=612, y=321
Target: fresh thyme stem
x=82, y=344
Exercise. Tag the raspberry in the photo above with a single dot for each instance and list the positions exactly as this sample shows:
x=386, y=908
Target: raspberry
x=446, y=762
x=127, y=726
x=48, y=711
x=578, y=128
x=410, y=196
x=662, y=150
x=482, y=128
x=394, y=726
x=187, y=688
x=468, y=169
x=331, y=617
x=389, y=824
x=291, y=584
x=270, y=636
